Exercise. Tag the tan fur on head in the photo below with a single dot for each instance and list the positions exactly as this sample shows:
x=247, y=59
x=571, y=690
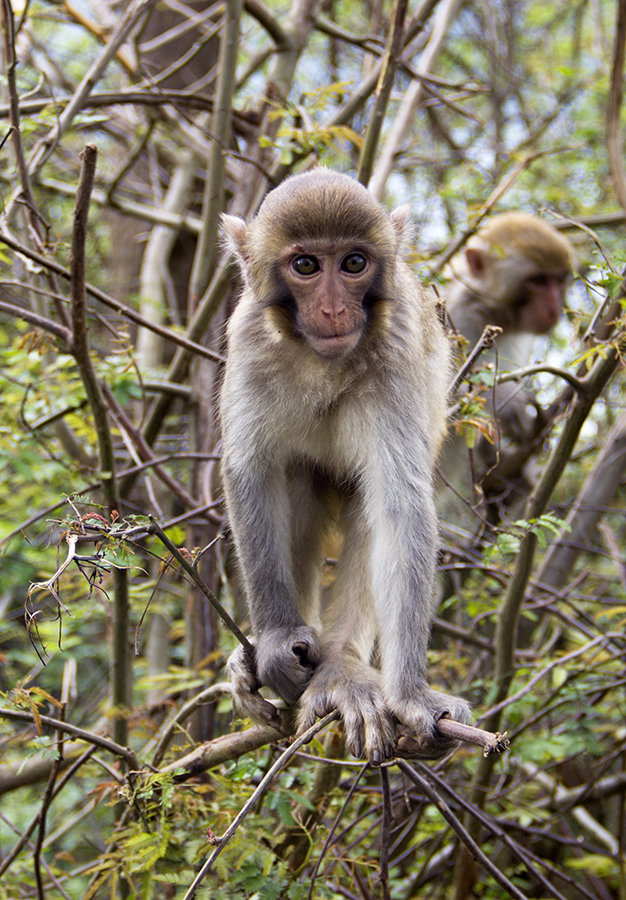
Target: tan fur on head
x=530, y=237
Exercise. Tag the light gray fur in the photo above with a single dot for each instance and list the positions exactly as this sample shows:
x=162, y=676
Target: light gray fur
x=303, y=436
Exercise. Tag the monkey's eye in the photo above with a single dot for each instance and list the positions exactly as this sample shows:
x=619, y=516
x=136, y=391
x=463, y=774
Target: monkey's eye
x=353, y=263
x=539, y=281
x=306, y=265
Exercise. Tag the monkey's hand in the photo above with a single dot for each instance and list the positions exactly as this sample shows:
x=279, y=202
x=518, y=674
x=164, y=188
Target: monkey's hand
x=247, y=700
x=420, y=715
x=286, y=658
x=353, y=688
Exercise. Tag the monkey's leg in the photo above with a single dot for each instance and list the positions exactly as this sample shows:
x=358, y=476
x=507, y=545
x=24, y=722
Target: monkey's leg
x=404, y=547
x=311, y=503
x=343, y=679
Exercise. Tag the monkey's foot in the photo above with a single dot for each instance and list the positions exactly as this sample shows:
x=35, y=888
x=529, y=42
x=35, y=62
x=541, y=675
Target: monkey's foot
x=420, y=716
x=247, y=700
x=353, y=688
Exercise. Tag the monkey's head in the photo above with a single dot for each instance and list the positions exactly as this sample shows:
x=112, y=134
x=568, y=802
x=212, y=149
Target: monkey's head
x=320, y=255
x=520, y=266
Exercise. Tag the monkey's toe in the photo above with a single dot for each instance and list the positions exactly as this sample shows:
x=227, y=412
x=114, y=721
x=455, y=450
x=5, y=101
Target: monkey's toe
x=353, y=689
x=418, y=719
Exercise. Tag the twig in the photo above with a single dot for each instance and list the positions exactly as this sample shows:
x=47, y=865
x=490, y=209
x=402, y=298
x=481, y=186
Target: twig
x=486, y=340
x=213, y=199
x=408, y=747
x=169, y=729
x=262, y=789
x=125, y=311
x=45, y=806
x=613, y=124
x=385, y=834
x=335, y=824
x=193, y=574
x=111, y=746
x=120, y=665
x=383, y=92
x=578, y=384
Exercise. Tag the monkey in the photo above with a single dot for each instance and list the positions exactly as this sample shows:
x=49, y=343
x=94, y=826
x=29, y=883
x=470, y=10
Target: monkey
x=332, y=409
x=514, y=274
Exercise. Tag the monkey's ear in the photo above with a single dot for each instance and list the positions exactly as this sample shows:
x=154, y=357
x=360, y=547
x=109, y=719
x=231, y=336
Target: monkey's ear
x=399, y=219
x=477, y=261
x=234, y=235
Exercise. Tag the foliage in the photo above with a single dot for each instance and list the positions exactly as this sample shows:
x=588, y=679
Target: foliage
x=511, y=113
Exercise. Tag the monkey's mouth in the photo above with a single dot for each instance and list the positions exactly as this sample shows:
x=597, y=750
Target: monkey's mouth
x=334, y=346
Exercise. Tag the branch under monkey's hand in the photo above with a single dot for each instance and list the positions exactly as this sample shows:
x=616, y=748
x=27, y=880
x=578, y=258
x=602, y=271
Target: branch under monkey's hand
x=491, y=742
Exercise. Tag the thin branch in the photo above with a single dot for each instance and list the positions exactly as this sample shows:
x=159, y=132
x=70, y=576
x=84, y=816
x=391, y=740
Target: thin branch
x=168, y=731
x=613, y=125
x=335, y=825
x=89, y=737
x=504, y=185
x=213, y=200
x=578, y=384
x=120, y=665
x=19, y=312
x=268, y=21
x=264, y=786
x=45, y=806
x=485, y=341
x=193, y=574
x=417, y=747
x=402, y=123
x=184, y=342
x=385, y=834
x=383, y=92
x=600, y=486
x=45, y=145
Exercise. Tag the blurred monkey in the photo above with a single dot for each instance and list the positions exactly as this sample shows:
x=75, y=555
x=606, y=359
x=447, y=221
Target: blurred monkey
x=513, y=274
x=332, y=410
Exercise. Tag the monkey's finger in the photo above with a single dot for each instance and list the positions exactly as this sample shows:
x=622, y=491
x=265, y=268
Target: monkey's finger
x=353, y=726
x=253, y=705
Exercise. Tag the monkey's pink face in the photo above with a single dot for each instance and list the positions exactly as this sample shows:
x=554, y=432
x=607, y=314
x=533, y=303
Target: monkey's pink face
x=330, y=289
x=544, y=296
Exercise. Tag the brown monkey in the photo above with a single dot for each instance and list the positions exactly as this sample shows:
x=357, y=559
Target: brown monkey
x=514, y=274
x=332, y=410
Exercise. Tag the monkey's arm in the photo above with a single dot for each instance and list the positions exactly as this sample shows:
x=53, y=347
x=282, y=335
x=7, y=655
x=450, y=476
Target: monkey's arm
x=287, y=650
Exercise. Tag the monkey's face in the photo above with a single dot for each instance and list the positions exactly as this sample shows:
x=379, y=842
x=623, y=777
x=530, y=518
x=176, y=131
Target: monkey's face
x=329, y=286
x=542, y=298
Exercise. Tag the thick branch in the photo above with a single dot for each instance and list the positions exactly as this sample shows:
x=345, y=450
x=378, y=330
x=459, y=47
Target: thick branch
x=600, y=487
